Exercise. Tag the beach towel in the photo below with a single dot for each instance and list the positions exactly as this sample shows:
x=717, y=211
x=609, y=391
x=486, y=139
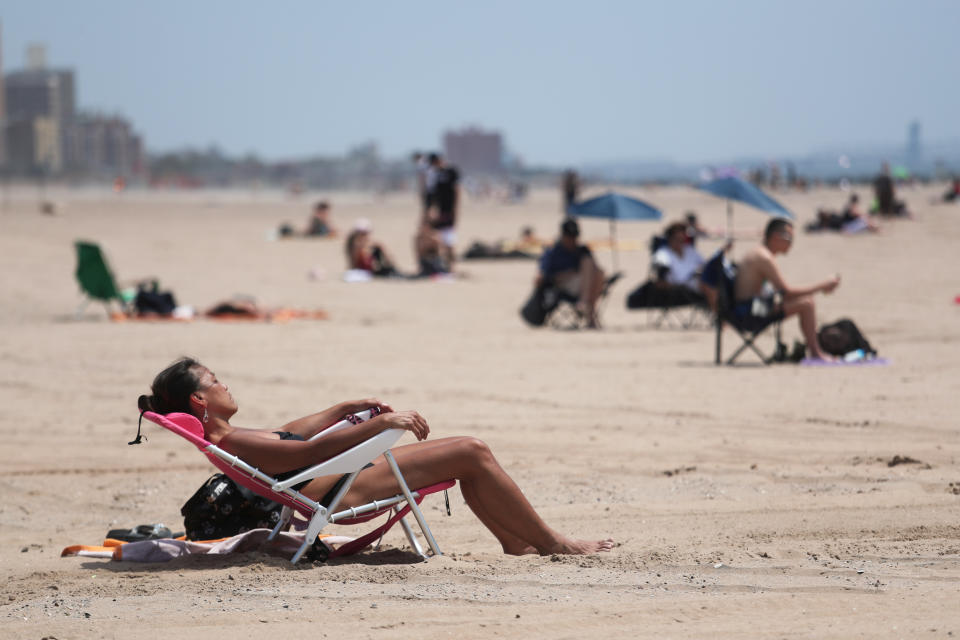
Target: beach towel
x=863, y=362
x=166, y=549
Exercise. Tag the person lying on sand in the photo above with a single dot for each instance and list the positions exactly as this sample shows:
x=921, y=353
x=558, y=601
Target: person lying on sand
x=189, y=387
x=759, y=267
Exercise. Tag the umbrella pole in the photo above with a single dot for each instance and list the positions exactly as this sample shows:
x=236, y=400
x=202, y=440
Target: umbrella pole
x=613, y=242
x=729, y=220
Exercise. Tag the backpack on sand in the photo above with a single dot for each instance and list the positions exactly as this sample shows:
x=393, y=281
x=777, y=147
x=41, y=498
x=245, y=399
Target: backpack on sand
x=842, y=337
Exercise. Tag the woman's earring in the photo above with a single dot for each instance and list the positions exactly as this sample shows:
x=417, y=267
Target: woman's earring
x=205, y=416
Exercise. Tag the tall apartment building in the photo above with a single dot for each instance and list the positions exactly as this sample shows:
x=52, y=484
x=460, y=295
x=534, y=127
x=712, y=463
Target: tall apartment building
x=40, y=105
x=474, y=151
x=103, y=146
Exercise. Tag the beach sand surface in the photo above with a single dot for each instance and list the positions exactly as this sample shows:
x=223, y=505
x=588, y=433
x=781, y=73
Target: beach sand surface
x=745, y=501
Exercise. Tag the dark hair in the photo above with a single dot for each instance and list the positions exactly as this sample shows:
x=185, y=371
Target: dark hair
x=776, y=225
x=433, y=158
x=673, y=228
x=172, y=388
x=322, y=204
x=854, y=197
x=570, y=228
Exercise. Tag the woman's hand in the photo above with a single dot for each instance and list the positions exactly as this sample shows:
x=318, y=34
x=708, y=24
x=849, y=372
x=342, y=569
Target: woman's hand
x=407, y=420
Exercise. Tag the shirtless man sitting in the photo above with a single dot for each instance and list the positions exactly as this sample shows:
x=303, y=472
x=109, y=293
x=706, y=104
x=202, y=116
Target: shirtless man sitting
x=759, y=267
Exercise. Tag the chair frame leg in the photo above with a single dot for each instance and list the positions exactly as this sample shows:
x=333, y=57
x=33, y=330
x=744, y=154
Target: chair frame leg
x=414, y=507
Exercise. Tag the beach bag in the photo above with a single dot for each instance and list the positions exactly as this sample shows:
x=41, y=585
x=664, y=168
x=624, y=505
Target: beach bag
x=542, y=301
x=841, y=337
x=152, y=300
x=221, y=508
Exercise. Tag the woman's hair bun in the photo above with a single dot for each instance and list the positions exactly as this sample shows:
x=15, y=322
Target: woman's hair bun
x=145, y=403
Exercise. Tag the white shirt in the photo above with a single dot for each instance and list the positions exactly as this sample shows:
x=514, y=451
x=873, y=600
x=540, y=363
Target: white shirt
x=683, y=268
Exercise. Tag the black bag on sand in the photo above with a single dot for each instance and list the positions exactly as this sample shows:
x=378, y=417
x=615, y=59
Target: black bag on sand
x=221, y=508
x=543, y=300
x=842, y=337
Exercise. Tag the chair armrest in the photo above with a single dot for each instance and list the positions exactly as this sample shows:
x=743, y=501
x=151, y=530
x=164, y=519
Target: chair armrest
x=361, y=416
x=348, y=461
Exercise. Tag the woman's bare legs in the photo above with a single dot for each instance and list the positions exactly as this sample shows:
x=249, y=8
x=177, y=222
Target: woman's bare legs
x=490, y=493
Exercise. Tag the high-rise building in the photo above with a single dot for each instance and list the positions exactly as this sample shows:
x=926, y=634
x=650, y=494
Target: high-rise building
x=39, y=104
x=474, y=151
x=103, y=146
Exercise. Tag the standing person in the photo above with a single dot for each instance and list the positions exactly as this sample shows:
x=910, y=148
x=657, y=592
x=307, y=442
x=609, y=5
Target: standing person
x=886, y=200
x=420, y=165
x=571, y=187
x=446, y=202
x=430, y=174
x=759, y=267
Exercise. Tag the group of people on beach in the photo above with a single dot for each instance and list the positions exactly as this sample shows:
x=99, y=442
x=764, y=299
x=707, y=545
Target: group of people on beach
x=435, y=238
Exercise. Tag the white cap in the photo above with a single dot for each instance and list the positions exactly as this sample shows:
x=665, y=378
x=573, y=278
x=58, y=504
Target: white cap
x=362, y=224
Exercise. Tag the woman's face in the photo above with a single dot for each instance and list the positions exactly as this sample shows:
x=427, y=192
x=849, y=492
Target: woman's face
x=219, y=400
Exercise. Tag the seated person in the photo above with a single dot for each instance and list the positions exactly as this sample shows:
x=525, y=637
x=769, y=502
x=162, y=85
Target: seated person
x=953, y=193
x=365, y=255
x=187, y=386
x=571, y=266
x=676, y=267
x=318, y=225
x=319, y=222
x=854, y=220
x=429, y=252
x=886, y=203
x=527, y=245
x=754, y=304
x=850, y=220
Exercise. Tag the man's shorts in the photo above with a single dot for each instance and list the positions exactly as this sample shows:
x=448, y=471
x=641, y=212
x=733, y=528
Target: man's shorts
x=758, y=312
x=448, y=236
x=570, y=282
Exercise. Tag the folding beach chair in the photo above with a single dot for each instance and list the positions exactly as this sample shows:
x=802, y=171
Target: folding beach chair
x=565, y=314
x=719, y=274
x=94, y=276
x=674, y=306
x=350, y=461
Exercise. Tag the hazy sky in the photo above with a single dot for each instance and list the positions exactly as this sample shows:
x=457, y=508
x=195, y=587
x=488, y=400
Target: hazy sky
x=564, y=82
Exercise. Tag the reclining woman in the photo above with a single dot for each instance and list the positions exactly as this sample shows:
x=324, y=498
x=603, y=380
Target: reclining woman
x=187, y=386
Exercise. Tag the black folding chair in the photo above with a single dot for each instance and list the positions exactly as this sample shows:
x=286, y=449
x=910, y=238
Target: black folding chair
x=566, y=315
x=720, y=274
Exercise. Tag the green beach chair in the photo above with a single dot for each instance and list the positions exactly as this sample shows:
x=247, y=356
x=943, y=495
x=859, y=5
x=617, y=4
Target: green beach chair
x=95, y=278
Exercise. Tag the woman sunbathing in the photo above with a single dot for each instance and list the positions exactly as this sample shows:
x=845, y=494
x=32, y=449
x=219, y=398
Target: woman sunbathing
x=187, y=386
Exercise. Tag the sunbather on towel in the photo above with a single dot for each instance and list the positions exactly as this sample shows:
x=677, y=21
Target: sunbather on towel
x=759, y=267
x=189, y=387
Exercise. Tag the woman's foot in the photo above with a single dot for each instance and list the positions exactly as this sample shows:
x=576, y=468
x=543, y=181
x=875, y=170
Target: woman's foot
x=568, y=546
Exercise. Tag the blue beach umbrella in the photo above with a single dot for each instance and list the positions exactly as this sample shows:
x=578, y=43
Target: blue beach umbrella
x=734, y=188
x=613, y=207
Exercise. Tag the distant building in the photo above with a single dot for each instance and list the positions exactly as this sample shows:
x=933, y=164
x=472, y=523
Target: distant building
x=103, y=146
x=914, y=148
x=474, y=151
x=39, y=107
x=34, y=146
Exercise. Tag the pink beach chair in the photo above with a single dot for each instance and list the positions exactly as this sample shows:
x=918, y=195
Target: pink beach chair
x=350, y=461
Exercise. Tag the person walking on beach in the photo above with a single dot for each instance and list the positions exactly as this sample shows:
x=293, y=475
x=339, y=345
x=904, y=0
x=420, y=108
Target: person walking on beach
x=446, y=201
x=570, y=187
x=759, y=267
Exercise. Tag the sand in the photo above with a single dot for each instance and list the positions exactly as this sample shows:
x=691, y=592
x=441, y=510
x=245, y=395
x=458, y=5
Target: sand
x=746, y=502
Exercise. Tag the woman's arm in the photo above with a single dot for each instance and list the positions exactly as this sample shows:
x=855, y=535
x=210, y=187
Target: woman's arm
x=311, y=425
x=276, y=456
